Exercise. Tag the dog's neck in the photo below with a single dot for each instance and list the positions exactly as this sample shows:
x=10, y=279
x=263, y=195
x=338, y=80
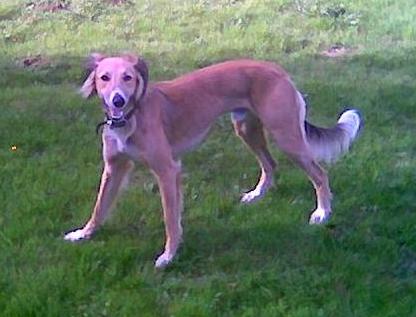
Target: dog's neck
x=116, y=123
x=121, y=135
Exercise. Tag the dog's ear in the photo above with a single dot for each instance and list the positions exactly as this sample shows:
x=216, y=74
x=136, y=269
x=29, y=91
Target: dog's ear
x=142, y=69
x=88, y=87
x=143, y=72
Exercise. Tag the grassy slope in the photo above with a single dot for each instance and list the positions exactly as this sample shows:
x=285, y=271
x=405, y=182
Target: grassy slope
x=236, y=260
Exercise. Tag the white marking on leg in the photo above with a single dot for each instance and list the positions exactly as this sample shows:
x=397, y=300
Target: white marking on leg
x=253, y=195
x=319, y=216
x=77, y=235
x=261, y=188
x=164, y=260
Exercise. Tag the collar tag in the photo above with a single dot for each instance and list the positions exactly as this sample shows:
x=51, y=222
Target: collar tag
x=116, y=123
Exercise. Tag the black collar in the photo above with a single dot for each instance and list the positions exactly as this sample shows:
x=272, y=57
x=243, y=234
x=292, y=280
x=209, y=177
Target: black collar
x=115, y=122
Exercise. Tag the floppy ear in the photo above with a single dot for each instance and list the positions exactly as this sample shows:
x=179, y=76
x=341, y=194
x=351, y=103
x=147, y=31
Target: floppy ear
x=142, y=69
x=88, y=88
x=143, y=72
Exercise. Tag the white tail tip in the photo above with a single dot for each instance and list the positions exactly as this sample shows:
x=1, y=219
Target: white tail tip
x=351, y=122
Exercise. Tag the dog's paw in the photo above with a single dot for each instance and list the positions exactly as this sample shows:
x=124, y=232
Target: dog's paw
x=252, y=196
x=164, y=260
x=77, y=235
x=319, y=216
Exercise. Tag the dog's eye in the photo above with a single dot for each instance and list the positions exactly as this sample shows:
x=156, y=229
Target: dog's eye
x=105, y=78
x=127, y=78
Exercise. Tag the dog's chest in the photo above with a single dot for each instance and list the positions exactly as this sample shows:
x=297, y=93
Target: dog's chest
x=120, y=140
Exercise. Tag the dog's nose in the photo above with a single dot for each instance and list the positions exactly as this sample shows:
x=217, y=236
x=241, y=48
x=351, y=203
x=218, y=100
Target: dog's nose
x=118, y=101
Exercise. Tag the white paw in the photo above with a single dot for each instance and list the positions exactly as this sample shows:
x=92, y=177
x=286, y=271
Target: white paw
x=319, y=216
x=77, y=235
x=164, y=260
x=252, y=196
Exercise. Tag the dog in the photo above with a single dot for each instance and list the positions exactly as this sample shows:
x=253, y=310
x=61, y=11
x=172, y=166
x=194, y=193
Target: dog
x=156, y=123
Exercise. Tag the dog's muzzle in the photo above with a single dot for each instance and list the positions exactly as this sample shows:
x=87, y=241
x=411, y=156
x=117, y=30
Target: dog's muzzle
x=115, y=117
x=118, y=101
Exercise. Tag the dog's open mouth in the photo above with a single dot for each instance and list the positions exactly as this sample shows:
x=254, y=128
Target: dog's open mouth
x=116, y=114
x=116, y=118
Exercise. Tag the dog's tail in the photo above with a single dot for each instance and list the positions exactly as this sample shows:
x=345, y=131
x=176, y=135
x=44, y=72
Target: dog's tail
x=328, y=144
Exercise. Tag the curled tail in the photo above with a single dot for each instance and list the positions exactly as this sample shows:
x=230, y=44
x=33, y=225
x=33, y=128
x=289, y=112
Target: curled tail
x=328, y=144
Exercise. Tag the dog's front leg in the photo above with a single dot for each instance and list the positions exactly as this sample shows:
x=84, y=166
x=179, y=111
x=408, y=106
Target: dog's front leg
x=114, y=172
x=169, y=180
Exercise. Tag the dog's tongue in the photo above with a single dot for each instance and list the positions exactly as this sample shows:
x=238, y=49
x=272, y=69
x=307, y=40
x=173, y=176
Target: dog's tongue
x=116, y=113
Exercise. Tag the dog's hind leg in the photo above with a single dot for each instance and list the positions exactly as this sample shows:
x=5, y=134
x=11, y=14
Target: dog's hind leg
x=115, y=172
x=299, y=152
x=249, y=128
x=286, y=127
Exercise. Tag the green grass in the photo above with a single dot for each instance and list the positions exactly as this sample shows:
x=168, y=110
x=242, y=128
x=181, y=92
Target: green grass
x=259, y=260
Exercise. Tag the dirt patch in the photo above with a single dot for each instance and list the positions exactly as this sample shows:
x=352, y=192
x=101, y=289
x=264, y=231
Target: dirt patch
x=338, y=50
x=53, y=6
x=48, y=6
x=119, y=2
x=35, y=61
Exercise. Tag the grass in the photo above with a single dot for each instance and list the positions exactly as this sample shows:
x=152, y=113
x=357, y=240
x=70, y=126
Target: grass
x=236, y=260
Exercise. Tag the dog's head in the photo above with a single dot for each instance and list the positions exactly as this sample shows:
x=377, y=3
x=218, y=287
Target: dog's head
x=118, y=81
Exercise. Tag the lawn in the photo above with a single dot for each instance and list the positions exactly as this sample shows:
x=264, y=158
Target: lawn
x=257, y=260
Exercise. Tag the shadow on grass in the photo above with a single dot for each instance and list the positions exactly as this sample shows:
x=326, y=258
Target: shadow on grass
x=41, y=70
x=9, y=12
x=19, y=71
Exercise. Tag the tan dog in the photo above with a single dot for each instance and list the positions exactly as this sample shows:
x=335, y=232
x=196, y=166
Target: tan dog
x=156, y=123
